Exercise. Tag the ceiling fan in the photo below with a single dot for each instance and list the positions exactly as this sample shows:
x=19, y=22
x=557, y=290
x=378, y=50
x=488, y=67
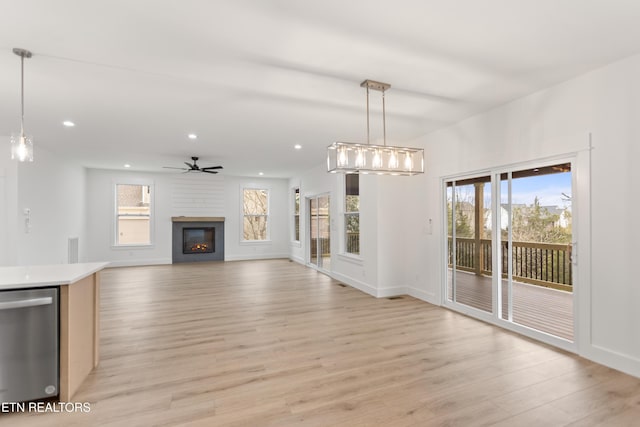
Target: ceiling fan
x=193, y=167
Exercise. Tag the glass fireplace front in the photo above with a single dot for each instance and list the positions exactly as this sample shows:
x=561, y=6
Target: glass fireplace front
x=198, y=240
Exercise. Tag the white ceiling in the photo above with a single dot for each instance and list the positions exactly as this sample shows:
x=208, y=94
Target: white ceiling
x=253, y=78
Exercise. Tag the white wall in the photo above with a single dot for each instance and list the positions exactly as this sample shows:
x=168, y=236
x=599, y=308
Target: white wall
x=364, y=271
x=181, y=195
x=394, y=206
x=53, y=189
x=402, y=221
x=8, y=208
x=313, y=183
x=604, y=103
x=359, y=271
x=278, y=244
x=100, y=218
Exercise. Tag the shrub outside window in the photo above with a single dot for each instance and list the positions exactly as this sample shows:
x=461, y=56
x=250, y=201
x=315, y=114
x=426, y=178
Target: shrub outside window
x=352, y=214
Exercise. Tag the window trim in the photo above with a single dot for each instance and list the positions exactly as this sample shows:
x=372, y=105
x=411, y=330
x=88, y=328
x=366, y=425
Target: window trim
x=267, y=239
x=114, y=222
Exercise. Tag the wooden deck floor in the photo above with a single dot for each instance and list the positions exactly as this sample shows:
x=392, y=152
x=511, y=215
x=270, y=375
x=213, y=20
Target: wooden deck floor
x=543, y=309
x=272, y=343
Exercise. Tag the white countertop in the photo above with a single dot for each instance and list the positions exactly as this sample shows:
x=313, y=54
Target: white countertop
x=35, y=276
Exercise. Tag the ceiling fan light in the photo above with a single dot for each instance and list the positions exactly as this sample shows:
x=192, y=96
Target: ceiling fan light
x=193, y=167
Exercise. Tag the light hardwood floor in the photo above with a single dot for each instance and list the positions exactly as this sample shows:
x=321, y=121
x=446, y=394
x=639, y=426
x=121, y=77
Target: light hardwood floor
x=272, y=343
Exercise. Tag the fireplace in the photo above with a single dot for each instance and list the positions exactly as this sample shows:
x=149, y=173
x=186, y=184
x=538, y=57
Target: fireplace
x=197, y=239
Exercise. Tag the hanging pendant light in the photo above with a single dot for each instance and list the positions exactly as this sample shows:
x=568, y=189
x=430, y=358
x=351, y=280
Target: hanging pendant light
x=349, y=157
x=21, y=144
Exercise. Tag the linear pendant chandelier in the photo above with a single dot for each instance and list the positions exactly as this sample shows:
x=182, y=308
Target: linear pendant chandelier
x=350, y=157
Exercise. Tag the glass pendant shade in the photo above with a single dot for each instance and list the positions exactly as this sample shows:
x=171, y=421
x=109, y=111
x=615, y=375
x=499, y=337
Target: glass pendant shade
x=21, y=147
x=348, y=157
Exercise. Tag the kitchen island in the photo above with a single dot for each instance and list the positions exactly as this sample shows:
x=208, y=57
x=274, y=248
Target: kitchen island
x=79, y=314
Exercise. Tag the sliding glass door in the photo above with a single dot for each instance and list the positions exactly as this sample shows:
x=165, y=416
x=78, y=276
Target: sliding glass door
x=525, y=235
x=319, y=232
x=536, y=247
x=469, y=243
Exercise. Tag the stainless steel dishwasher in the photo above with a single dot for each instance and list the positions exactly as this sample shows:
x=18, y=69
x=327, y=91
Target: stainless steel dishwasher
x=28, y=344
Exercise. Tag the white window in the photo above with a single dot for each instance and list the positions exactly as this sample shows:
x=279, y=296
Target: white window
x=133, y=214
x=296, y=214
x=255, y=211
x=352, y=214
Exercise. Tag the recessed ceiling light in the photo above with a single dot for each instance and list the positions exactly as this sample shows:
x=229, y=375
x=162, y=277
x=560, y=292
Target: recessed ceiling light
x=260, y=173
x=127, y=165
x=297, y=146
x=192, y=136
x=68, y=123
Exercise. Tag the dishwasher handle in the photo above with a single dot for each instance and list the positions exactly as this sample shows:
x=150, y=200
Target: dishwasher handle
x=32, y=302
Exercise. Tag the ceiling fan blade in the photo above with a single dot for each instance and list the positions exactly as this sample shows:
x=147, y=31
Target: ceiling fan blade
x=206, y=171
x=171, y=167
x=212, y=167
x=191, y=166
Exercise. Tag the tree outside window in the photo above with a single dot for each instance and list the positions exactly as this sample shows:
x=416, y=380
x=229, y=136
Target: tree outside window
x=296, y=214
x=352, y=214
x=255, y=204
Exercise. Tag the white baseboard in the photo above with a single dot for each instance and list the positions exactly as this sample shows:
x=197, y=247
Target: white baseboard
x=139, y=262
x=361, y=286
x=297, y=259
x=391, y=292
x=429, y=297
x=622, y=362
x=386, y=292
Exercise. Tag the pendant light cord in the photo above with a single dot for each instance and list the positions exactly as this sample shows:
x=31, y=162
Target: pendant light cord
x=22, y=95
x=384, y=119
x=384, y=122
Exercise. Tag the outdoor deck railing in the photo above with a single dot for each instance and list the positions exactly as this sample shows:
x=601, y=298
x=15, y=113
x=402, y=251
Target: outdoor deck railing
x=352, y=245
x=542, y=264
x=322, y=245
